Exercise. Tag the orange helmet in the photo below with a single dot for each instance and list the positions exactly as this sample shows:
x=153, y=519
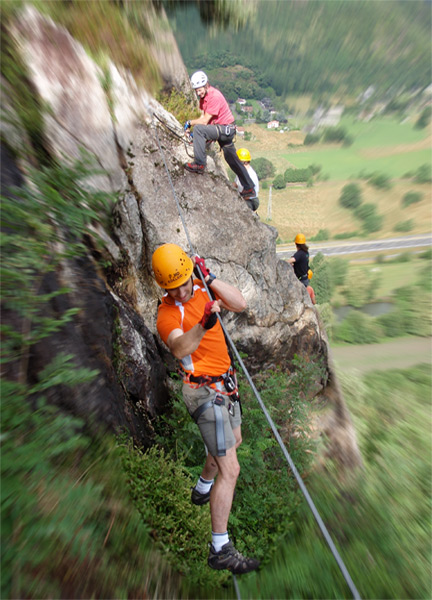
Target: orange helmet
x=300, y=239
x=172, y=267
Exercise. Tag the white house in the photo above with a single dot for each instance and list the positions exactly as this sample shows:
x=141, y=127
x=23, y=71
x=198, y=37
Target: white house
x=272, y=124
x=241, y=101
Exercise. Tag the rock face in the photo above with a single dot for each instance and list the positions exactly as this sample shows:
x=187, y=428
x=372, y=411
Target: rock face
x=158, y=202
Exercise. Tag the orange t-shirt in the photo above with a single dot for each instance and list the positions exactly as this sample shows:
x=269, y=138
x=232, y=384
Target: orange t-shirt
x=211, y=357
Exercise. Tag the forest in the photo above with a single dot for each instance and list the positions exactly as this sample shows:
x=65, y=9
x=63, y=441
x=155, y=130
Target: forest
x=319, y=48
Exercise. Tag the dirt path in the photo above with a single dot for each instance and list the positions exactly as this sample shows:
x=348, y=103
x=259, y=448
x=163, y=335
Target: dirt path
x=398, y=354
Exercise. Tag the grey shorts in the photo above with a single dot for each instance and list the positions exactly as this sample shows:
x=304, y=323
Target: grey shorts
x=194, y=397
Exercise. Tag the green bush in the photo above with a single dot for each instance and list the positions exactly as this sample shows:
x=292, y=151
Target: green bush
x=427, y=254
x=322, y=235
x=310, y=139
x=380, y=181
x=262, y=482
x=181, y=106
x=350, y=196
x=357, y=328
x=321, y=278
x=279, y=182
x=314, y=169
x=372, y=221
x=411, y=198
x=404, y=226
x=423, y=174
x=160, y=489
x=412, y=310
x=345, y=236
x=338, y=270
x=335, y=135
x=360, y=287
x=297, y=175
x=328, y=318
x=424, y=118
x=263, y=168
x=68, y=527
x=390, y=494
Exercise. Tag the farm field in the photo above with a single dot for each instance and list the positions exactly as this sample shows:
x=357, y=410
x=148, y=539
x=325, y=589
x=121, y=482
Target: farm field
x=383, y=145
x=393, y=275
x=400, y=353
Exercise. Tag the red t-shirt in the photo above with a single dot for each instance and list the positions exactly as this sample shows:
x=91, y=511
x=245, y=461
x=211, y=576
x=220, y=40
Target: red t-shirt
x=211, y=357
x=215, y=104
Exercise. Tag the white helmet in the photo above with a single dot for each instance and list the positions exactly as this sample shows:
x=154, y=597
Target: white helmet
x=198, y=79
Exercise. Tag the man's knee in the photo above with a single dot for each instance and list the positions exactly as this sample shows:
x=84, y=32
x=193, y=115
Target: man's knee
x=199, y=130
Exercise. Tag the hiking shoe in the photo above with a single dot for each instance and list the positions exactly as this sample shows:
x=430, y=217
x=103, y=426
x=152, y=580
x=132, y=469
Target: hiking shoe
x=230, y=558
x=248, y=194
x=198, y=498
x=194, y=168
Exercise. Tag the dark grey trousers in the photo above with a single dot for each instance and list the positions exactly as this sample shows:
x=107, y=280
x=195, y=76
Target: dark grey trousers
x=202, y=133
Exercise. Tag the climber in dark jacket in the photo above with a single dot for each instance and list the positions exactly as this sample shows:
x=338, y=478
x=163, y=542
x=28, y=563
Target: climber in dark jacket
x=300, y=260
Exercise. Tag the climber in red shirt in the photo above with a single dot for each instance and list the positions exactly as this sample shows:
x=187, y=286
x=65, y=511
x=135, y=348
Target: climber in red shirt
x=216, y=123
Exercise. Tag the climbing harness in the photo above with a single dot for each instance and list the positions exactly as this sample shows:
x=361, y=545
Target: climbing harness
x=285, y=452
x=217, y=404
x=227, y=134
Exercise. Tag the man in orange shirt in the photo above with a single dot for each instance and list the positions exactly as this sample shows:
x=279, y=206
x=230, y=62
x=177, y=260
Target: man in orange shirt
x=187, y=323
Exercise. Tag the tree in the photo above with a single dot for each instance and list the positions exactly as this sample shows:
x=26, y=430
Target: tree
x=279, y=182
x=338, y=270
x=411, y=198
x=424, y=174
x=424, y=118
x=321, y=278
x=350, y=196
x=263, y=167
x=372, y=221
x=380, y=181
x=359, y=287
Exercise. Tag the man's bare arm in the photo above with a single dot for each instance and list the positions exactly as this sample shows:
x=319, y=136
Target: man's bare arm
x=230, y=296
x=204, y=119
x=182, y=344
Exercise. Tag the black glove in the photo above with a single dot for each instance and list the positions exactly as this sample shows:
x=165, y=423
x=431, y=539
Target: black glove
x=209, y=318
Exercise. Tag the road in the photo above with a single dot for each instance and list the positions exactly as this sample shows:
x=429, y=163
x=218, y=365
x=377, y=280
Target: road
x=342, y=247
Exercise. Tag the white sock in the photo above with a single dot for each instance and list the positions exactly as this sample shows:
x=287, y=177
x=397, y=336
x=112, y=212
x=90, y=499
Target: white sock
x=203, y=485
x=219, y=540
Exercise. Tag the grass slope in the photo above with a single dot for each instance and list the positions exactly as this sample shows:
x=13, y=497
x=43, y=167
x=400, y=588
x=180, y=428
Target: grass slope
x=382, y=145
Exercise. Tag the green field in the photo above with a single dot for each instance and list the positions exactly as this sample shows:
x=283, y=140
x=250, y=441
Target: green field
x=383, y=144
x=393, y=275
x=339, y=163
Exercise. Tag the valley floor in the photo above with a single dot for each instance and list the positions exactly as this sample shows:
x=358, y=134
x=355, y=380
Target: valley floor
x=399, y=353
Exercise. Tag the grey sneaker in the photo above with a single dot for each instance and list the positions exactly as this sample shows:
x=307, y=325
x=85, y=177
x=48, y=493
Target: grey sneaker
x=198, y=498
x=230, y=558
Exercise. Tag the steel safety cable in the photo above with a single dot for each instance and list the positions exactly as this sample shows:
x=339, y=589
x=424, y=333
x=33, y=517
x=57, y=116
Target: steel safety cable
x=291, y=464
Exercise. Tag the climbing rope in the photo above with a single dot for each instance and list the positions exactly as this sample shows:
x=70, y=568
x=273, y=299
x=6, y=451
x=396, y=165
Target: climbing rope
x=177, y=135
x=292, y=466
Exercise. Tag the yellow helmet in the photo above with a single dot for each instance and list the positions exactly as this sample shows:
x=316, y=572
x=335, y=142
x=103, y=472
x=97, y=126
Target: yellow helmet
x=310, y=274
x=300, y=239
x=172, y=267
x=244, y=154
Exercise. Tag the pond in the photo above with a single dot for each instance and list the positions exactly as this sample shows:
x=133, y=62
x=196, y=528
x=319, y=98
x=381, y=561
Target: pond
x=375, y=309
